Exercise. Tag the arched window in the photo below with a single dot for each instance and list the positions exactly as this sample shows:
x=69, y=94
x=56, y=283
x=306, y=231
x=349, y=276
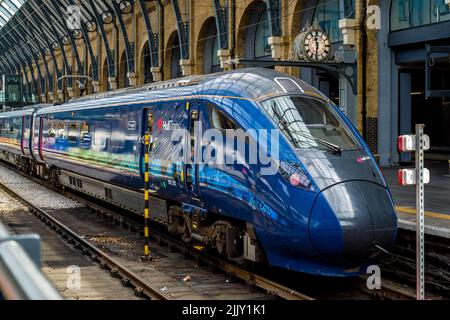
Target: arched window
x=262, y=34
x=329, y=12
x=256, y=27
x=175, y=59
x=148, y=76
x=211, y=62
x=407, y=14
x=215, y=58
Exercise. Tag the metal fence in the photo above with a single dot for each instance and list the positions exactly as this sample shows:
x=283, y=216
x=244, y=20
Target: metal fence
x=20, y=274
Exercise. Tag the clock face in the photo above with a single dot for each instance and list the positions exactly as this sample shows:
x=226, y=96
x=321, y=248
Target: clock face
x=317, y=46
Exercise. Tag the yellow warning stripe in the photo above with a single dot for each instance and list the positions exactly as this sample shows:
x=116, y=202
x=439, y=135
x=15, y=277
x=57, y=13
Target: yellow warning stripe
x=427, y=213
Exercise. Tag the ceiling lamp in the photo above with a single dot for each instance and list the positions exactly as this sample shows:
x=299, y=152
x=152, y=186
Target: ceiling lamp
x=91, y=26
x=77, y=34
x=66, y=40
x=107, y=17
x=125, y=7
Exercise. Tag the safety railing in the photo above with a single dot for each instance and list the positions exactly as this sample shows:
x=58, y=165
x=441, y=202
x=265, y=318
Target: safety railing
x=20, y=274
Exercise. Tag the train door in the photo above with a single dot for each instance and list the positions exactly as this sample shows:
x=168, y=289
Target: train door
x=23, y=139
x=37, y=138
x=192, y=165
x=167, y=172
x=41, y=138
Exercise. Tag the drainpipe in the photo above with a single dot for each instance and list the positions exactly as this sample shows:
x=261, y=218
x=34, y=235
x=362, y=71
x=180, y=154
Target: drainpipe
x=363, y=42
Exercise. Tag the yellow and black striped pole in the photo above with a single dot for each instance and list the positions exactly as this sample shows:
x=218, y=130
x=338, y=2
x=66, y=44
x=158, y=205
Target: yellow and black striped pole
x=146, y=195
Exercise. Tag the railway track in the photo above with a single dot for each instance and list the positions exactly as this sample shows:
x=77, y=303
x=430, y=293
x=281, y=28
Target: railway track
x=88, y=250
x=197, y=282
x=336, y=288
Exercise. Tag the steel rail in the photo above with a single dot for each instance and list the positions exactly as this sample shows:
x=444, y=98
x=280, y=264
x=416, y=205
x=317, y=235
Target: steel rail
x=268, y=285
x=389, y=290
x=252, y=279
x=116, y=269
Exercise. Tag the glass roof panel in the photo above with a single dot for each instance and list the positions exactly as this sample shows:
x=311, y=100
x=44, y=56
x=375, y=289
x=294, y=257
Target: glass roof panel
x=7, y=9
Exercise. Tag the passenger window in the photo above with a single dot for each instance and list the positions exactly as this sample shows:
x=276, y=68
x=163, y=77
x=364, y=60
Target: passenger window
x=219, y=120
x=85, y=135
x=73, y=133
x=61, y=134
x=51, y=130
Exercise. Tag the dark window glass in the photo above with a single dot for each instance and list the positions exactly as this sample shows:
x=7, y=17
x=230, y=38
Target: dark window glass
x=262, y=48
x=219, y=120
x=415, y=13
x=307, y=122
x=73, y=133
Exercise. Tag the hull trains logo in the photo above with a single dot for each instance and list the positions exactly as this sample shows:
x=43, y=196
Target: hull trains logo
x=167, y=125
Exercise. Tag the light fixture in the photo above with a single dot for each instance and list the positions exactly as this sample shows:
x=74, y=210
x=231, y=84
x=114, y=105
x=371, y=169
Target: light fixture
x=91, y=26
x=107, y=17
x=125, y=7
x=66, y=40
x=77, y=34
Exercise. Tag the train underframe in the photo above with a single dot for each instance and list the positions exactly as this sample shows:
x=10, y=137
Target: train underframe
x=233, y=239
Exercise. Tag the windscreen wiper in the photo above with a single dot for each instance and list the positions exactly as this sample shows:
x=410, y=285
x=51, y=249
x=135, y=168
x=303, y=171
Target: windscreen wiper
x=333, y=147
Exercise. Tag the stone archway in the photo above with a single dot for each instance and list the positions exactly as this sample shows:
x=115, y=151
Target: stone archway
x=122, y=78
x=172, y=56
x=253, y=32
x=207, y=46
x=145, y=74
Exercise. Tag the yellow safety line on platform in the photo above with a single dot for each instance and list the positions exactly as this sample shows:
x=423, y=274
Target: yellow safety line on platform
x=427, y=213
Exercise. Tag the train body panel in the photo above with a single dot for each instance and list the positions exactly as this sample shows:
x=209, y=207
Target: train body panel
x=321, y=211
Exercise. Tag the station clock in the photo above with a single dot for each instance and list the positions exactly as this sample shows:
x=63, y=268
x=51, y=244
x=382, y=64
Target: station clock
x=316, y=45
x=312, y=45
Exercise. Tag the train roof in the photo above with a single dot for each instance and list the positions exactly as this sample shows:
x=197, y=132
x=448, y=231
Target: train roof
x=22, y=112
x=245, y=83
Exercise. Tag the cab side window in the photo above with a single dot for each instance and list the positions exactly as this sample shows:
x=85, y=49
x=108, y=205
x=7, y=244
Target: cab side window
x=219, y=120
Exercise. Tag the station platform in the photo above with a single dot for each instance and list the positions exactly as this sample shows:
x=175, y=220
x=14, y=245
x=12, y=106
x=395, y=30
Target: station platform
x=437, y=199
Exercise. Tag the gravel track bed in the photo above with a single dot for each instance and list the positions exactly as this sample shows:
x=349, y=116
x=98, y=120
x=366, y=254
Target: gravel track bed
x=38, y=195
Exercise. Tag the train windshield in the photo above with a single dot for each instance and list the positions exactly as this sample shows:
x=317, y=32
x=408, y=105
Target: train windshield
x=310, y=123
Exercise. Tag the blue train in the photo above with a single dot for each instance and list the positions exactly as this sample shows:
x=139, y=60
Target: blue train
x=324, y=210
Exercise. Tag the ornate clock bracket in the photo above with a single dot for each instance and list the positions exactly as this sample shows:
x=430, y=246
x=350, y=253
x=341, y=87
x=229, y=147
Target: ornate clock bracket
x=318, y=55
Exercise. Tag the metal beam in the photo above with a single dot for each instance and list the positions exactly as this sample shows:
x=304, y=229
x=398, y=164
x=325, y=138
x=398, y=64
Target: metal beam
x=37, y=23
x=152, y=39
x=87, y=41
x=221, y=14
x=109, y=58
x=183, y=34
x=43, y=11
x=129, y=47
x=274, y=17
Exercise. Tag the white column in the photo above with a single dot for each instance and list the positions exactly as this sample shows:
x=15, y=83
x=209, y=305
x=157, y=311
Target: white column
x=186, y=67
x=276, y=44
x=156, y=73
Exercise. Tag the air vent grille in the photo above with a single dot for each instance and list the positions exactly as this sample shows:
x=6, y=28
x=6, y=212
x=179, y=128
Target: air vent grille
x=288, y=85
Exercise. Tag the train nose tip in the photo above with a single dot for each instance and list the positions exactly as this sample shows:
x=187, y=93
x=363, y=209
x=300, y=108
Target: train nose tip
x=349, y=218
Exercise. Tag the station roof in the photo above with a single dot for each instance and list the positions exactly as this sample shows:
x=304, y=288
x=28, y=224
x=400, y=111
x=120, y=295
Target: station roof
x=8, y=9
x=30, y=29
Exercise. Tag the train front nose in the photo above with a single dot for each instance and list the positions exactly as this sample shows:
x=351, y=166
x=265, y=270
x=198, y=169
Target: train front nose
x=350, y=218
